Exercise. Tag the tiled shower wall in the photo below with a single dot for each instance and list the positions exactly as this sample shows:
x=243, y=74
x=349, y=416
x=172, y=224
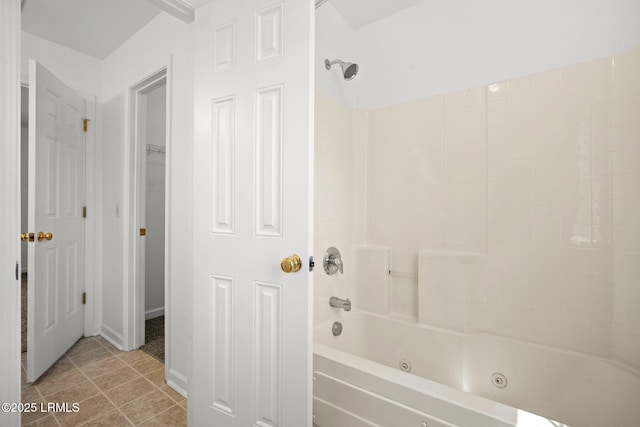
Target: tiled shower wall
x=339, y=216
x=533, y=182
x=625, y=172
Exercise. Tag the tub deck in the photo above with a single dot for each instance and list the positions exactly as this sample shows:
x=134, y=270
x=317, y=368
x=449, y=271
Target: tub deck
x=357, y=380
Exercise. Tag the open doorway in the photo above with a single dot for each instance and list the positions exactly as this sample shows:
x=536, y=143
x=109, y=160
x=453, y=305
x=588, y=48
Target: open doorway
x=150, y=119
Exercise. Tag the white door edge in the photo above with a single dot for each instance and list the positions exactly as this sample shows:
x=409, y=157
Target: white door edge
x=10, y=214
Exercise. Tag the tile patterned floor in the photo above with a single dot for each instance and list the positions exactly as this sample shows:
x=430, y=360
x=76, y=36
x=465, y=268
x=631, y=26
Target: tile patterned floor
x=112, y=387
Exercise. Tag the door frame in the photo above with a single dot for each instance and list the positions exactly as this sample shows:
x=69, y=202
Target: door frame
x=10, y=369
x=134, y=182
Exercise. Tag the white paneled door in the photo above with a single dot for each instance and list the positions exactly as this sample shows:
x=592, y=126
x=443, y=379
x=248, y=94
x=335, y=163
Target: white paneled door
x=56, y=195
x=253, y=197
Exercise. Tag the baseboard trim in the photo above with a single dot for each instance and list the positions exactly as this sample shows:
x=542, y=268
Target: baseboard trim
x=153, y=313
x=112, y=336
x=177, y=381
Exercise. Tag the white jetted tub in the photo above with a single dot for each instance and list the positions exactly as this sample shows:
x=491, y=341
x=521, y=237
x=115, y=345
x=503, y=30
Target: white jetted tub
x=471, y=380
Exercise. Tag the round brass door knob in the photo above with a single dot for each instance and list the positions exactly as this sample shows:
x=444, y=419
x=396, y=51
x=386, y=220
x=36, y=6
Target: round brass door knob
x=291, y=264
x=42, y=236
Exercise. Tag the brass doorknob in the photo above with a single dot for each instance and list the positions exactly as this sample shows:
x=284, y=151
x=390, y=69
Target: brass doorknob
x=291, y=264
x=42, y=236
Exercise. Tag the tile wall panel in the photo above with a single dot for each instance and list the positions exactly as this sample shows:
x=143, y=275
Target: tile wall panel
x=625, y=194
x=537, y=175
x=340, y=156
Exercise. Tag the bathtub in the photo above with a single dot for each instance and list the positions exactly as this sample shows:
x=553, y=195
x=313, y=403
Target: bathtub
x=392, y=373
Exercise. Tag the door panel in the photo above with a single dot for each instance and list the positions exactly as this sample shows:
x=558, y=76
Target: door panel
x=56, y=195
x=252, y=168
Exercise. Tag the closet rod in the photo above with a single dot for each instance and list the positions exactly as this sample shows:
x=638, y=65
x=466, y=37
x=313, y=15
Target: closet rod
x=155, y=149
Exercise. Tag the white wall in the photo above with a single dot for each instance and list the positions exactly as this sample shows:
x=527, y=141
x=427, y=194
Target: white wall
x=78, y=70
x=112, y=182
x=155, y=134
x=443, y=46
x=164, y=41
x=335, y=39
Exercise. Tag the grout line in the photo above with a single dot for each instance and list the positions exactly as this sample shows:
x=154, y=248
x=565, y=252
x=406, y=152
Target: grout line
x=156, y=414
x=100, y=391
x=107, y=397
x=155, y=387
x=144, y=376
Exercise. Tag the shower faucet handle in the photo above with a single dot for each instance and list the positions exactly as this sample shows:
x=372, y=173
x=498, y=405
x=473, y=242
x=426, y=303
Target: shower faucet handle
x=332, y=261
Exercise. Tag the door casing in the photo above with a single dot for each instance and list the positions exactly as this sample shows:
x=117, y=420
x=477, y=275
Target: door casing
x=10, y=212
x=134, y=197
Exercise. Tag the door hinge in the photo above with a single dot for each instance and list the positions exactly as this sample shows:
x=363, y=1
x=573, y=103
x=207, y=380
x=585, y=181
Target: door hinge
x=17, y=268
x=84, y=298
x=312, y=263
x=85, y=125
x=84, y=212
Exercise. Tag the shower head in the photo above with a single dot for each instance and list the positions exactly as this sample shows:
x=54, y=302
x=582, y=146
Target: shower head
x=349, y=69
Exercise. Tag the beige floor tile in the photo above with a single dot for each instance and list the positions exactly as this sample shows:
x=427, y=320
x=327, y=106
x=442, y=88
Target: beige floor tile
x=129, y=391
x=131, y=356
x=91, y=357
x=29, y=394
x=115, y=378
x=147, y=364
x=102, y=367
x=62, y=365
x=175, y=416
x=147, y=406
x=106, y=344
x=98, y=376
x=83, y=345
x=59, y=382
x=89, y=409
x=156, y=377
x=30, y=417
x=112, y=419
x=177, y=397
x=47, y=421
x=76, y=393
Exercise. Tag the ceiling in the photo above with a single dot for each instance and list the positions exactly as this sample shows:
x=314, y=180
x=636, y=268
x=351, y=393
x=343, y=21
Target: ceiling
x=94, y=27
x=98, y=27
x=359, y=13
